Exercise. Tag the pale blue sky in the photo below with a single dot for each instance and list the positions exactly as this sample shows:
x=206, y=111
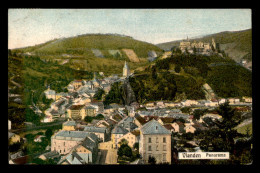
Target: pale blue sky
x=28, y=27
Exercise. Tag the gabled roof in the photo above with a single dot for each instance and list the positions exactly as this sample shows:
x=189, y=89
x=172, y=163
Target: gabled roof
x=69, y=123
x=154, y=127
x=73, y=134
x=21, y=160
x=119, y=130
x=95, y=129
x=76, y=107
x=168, y=127
x=136, y=132
x=167, y=119
x=140, y=119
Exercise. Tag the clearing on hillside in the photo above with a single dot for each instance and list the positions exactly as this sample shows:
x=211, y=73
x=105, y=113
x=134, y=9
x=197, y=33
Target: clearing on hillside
x=131, y=55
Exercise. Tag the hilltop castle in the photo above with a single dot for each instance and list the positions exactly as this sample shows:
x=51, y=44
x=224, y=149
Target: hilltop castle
x=198, y=47
x=126, y=70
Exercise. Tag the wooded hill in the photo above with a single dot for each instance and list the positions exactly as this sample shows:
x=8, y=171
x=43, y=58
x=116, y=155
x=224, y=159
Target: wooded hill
x=94, y=52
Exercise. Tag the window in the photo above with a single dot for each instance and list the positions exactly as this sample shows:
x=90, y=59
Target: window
x=150, y=148
x=164, y=139
x=150, y=140
x=156, y=127
x=164, y=157
x=157, y=149
x=157, y=140
x=164, y=147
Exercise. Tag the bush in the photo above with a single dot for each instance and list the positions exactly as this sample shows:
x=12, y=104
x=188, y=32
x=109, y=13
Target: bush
x=88, y=119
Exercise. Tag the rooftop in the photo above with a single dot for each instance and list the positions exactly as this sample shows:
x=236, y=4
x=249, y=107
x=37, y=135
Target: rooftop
x=95, y=129
x=154, y=127
x=72, y=134
x=69, y=123
x=119, y=130
x=76, y=107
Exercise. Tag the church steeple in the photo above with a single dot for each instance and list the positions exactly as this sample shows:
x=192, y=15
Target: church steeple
x=126, y=70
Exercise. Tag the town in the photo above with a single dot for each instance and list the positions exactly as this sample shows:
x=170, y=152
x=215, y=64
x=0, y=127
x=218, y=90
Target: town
x=92, y=133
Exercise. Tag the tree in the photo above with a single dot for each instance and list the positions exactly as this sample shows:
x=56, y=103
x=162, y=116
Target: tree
x=124, y=150
x=123, y=142
x=152, y=160
x=136, y=146
x=177, y=69
x=99, y=94
x=222, y=138
x=99, y=117
x=48, y=133
x=178, y=51
x=198, y=113
x=194, y=50
x=88, y=119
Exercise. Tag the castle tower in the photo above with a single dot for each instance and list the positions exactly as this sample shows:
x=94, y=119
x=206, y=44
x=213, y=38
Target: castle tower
x=213, y=43
x=126, y=70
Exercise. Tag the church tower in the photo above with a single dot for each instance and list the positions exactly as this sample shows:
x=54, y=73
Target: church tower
x=126, y=70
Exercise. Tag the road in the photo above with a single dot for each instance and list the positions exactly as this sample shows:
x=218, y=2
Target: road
x=111, y=157
x=36, y=127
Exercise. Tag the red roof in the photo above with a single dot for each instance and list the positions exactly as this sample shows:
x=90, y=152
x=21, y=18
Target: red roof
x=21, y=160
x=168, y=126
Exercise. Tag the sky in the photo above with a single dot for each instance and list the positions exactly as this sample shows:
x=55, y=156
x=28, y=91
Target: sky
x=29, y=27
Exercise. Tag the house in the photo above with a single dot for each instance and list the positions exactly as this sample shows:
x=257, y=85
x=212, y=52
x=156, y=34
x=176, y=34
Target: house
x=47, y=119
x=20, y=160
x=83, y=100
x=98, y=105
x=77, y=84
x=15, y=155
x=49, y=155
x=233, y=100
x=155, y=141
x=63, y=141
x=9, y=125
x=166, y=120
x=139, y=121
x=60, y=95
x=178, y=127
x=212, y=116
x=106, y=87
x=100, y=132
x=13, y=138
x=189, y=128
x=131, y=137
x=38, y=138
x=211, y=103
x=189, y=102
x=90, y=111
x=69, y=125
x=117, y=133
x=160, y=104
x=76, y=112
x=151, y=104
x=83, y=153
x=169, y=127
x=128, y=123
x=50, y=94
x=70, y=88
x=221, y=101
x=169, y=104
x=247, y=99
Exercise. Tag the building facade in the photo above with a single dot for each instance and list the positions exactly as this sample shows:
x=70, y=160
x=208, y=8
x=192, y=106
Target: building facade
x=155, y=141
